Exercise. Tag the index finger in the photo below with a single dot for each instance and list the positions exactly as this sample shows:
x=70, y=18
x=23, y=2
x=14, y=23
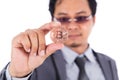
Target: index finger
x=49, y=26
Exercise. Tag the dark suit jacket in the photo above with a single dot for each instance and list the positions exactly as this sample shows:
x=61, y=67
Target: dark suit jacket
x=54, y=68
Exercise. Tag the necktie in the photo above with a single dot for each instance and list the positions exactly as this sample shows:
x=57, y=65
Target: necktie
x=81, y=65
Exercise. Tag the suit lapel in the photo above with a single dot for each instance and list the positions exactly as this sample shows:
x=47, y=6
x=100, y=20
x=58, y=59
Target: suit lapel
x=105, y=65
x=60, y=65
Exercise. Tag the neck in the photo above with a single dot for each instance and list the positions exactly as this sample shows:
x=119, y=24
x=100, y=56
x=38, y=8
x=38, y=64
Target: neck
x=79, y=49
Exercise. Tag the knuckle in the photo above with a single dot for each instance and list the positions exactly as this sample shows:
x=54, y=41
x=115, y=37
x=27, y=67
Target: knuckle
x=18, y=37
x=33, y=35
x=27, y=30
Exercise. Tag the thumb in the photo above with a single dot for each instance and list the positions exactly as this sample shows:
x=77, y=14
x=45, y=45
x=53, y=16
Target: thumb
x=51, y=48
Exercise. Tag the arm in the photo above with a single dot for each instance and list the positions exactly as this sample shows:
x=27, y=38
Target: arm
x=114, y=70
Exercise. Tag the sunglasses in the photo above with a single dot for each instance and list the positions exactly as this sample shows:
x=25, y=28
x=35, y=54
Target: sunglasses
x=78, y=19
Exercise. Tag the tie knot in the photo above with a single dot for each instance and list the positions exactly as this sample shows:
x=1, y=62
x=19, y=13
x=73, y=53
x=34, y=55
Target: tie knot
x=80, y=61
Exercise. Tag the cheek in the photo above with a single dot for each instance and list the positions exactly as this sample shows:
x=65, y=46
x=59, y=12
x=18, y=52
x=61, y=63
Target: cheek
x=87, y=29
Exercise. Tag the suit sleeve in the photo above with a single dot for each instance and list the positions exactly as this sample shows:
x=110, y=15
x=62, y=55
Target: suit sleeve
x=4, y=75
x=114, y=70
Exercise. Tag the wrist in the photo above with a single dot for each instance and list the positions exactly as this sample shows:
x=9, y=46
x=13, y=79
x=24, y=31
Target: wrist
x=18, y=74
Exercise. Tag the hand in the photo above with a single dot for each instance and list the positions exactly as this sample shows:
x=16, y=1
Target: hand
x=29, y=50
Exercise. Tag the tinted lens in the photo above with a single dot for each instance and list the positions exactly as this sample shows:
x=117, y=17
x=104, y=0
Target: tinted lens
x=81, y=19
x=63, y=20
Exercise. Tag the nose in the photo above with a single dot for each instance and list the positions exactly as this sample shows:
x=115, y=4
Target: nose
x=73, y=26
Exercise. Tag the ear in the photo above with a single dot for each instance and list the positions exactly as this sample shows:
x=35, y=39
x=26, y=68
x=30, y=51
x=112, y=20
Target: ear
x=94, y=19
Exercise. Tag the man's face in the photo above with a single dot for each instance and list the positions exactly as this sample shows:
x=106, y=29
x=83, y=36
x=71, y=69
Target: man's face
x=78, y=30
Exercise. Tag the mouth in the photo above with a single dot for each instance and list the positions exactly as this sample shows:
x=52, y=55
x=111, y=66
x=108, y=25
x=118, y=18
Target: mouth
x=74, y=36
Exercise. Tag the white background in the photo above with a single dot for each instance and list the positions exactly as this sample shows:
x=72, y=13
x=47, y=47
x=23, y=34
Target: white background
x=18, y=15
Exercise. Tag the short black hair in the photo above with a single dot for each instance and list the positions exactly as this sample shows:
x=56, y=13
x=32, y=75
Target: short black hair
x=92, y=5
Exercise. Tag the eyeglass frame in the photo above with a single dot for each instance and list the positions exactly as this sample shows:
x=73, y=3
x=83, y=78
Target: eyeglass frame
x=76, y=19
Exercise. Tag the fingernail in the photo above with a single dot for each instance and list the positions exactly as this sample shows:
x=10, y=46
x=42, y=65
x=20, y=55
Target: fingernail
x=34, y=54
x=42, y=53
x=56, y=23
x=28, y=50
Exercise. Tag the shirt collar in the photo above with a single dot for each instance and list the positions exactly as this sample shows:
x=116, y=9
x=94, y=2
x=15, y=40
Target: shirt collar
x=70, y=55
x=89, y=55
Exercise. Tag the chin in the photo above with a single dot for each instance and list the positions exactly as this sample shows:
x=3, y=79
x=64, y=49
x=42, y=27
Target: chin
x=73, y=44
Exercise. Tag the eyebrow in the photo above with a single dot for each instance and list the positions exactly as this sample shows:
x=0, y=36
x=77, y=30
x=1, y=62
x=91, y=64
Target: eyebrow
x=81, y=12
x=63, y=13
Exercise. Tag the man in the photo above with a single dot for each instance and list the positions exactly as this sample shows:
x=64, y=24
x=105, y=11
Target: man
x=32, y=59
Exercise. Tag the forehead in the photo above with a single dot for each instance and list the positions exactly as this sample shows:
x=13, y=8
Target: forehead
x=72, y=7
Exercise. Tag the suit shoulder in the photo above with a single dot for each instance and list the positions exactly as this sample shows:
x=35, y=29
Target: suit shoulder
x=101, y=55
